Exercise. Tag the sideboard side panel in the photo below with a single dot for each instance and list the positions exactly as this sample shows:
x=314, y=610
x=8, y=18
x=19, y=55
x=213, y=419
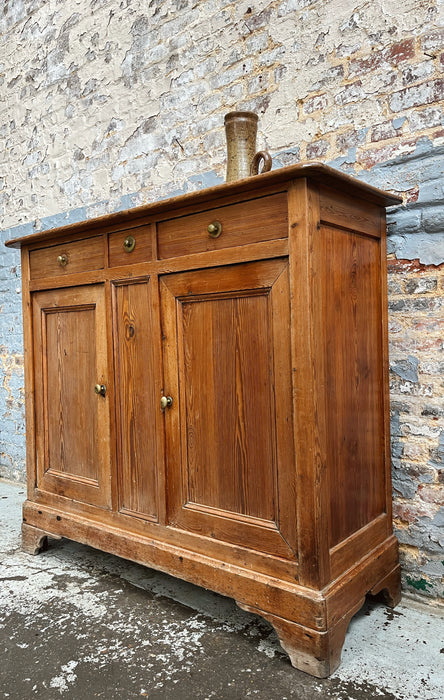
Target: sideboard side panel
x=28, y=352
x=350, y=300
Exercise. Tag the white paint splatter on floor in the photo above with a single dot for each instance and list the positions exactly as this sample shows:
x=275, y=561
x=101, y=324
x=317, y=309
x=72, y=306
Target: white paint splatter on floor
x=73, y=590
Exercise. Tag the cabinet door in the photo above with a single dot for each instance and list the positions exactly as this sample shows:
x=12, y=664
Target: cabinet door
x=72, y=420
x=229, y=429
x=139, y=461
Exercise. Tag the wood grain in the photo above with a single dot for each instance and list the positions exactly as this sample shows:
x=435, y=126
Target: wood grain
x=28, y=351
x=350, y=296
x=257, y=220
x=143, y=250
x=356, y=546
x=313, y=489
x=72, y=421
x=136, y=397
x=342, y=210
x=228, y=335
x=268, y=479
x=82, y=255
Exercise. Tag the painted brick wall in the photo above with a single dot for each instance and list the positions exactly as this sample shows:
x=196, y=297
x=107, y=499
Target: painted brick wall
x=109, y=104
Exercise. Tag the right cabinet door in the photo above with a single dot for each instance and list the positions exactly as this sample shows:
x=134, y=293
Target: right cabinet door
x=230, y=453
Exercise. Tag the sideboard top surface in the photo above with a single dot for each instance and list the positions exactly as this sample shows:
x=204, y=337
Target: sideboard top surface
x=316, y=172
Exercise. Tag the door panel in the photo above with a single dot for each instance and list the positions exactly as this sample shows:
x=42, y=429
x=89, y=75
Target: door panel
x=229, y=449
x=72, y=419
x=70, y=377
x=229, y=434
x=137, y=407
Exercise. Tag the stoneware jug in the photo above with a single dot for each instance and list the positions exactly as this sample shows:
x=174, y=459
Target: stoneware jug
x=242, y=159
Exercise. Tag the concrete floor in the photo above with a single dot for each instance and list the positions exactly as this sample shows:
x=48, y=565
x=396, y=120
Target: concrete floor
x=77, y=623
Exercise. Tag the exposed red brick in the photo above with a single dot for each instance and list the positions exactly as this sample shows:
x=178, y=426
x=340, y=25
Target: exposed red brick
x=349, y=139
x=409, y=513
x=417, y=95
x=402, y=265
x=409, y=143
x=428, y=326
x=382, y=132
x=427, y=345
x=360, y=66
x=401, y=51
x=317, y=149
x=394, y=54
x=433, y=40
x=431, y=494
x=378, y=155
x=412, y=195
x=313, y=104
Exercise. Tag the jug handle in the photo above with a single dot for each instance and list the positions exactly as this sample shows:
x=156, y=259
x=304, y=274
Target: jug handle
x=261, y=155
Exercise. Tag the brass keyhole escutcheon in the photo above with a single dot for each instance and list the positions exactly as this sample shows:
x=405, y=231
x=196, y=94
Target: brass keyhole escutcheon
x=129, y=244
x=100, y=389
x=166, y=402
x=62, y=260
x=214, y=229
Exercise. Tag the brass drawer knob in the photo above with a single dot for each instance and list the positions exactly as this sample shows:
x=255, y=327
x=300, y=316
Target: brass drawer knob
x=166, y=402
x=100, y=389
x=129, y=244
x=62, y=260
x=215, y=229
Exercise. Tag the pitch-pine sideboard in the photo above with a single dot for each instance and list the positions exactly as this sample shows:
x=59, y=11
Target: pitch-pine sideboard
x=206, y=394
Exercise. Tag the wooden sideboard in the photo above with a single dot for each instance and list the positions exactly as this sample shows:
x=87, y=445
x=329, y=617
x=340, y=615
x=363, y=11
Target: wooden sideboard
x=206, y=394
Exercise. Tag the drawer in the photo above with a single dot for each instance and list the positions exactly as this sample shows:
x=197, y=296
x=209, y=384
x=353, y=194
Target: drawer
x=130, y=246
x=256, y=220
x=66, y=258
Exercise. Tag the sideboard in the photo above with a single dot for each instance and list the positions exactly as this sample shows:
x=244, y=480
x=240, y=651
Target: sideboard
x=207, y=394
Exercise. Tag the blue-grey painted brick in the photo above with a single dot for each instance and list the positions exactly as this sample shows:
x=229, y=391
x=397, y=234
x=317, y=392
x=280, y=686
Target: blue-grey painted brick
x=406, y=369
x=398, y=122
x=433, y=219
x=428, y=249
x=403, y=485
x=208, y=179
x=432, y=191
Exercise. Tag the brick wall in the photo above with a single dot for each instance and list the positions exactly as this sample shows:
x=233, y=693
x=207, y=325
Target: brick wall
x=111, y=104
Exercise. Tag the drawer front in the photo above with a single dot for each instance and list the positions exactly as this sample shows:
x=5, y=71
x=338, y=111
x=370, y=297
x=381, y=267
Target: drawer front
x=256, y=220
x=130, y=246
x=66, y=258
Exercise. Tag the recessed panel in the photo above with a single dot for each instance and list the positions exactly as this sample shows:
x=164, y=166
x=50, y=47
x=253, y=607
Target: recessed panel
x=228, y=397
x=70, y=397
x=354, y=377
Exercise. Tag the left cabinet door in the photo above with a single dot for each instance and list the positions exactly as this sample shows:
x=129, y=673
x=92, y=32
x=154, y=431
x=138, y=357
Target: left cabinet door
x=71, y=394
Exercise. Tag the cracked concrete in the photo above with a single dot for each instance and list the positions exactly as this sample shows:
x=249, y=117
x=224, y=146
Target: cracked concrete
x=75, y=622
